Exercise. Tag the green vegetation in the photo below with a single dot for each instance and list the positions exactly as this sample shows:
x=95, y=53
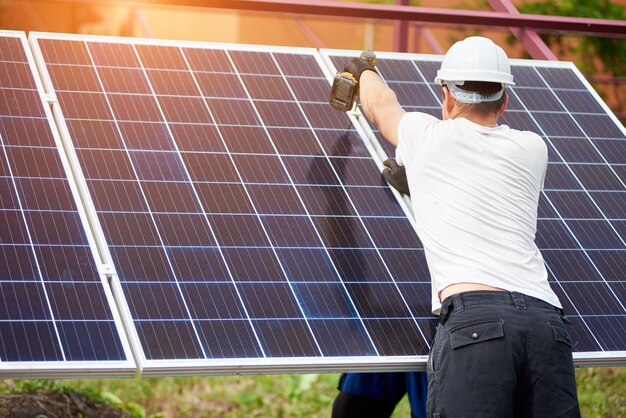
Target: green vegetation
x=601, y=392
x=609, y=51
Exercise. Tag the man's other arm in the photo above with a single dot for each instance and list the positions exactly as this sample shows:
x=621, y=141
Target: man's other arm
x=380, y=105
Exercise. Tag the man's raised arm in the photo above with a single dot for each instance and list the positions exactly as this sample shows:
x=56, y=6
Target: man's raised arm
x=380, y=105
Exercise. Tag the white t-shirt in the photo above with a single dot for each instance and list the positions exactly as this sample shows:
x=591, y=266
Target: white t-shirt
x=475, y=192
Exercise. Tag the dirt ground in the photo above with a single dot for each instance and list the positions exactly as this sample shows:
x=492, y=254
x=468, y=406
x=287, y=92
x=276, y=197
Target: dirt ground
x=53, y=404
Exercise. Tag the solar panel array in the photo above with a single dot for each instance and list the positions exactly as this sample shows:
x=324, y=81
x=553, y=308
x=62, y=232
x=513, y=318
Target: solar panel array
x=55, y=313
x=581, y=228
x=242, y=225
x=246, y=218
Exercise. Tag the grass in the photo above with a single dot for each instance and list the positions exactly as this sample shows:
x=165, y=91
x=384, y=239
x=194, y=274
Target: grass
x=601, y=392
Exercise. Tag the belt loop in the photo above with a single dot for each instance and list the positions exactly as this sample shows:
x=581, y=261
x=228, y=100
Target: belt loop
x=519, y=300
x=454, y=302
x=457, y=300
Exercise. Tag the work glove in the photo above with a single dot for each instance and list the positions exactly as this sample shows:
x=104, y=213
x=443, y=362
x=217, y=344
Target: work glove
x=396, y=176
x=356, y=66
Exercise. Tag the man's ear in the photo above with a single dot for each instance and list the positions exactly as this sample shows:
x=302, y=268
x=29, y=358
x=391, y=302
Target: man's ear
x=448, y=103
x=505, y=102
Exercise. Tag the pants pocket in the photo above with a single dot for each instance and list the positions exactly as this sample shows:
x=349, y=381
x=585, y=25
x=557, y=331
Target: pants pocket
x=475, y=333
x=560, y=334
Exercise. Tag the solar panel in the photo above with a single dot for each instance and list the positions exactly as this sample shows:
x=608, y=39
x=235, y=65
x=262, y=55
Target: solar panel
x=56, y=315
x=243, y=223
x=246, y=220
x=581, y=228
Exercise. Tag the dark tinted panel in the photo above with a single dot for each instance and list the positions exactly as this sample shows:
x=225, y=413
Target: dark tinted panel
x=249, y=62
x=141, y=264
x=558, y=124
x=538, y=100
x=213, y=301
x=398, y=70
x=291, y=231
x=325, y=200
x=560, y=177
x=611, y=203
x=414, y=94
x=253, y=264
x=238, y=230
x=553, y=234
x=579, y=101
x=353, y=342
x=19, y=263
x=613, y=150
x=276, y=210
x=599, y=126
x=396, y=336
x=610, y=264
x=155, y=301
x=407, y=265
x=286, y=338
x=307, y=264
x=403, y=236
x=359, y=265
x=570, y=266
x=228, y=339
x=269, y=300
x=90, y=341
x=377, y=300
x=577, y=150
x=198, y=264
x=324, y=300
x=78, y=301
x=23, y=301
x=561, y=78
x=597, y=177
x=168, y=340
x=30, y=341
x=573, y=204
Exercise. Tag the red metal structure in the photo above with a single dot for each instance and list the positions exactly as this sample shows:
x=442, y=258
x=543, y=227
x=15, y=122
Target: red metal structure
x=404, y=13
x=529, y=38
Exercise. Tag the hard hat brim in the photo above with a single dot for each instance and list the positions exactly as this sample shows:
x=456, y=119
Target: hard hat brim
x=462, y=75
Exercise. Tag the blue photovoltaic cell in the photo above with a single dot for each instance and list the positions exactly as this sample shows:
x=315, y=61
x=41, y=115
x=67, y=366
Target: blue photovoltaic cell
x=54, y=308
x=245, y=217
x=580, y=230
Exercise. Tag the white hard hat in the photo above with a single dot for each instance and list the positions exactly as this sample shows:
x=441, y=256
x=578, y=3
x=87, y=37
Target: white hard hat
x=475, y=59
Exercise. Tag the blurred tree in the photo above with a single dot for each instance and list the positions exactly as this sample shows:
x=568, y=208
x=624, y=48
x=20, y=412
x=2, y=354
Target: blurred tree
x=608, y=53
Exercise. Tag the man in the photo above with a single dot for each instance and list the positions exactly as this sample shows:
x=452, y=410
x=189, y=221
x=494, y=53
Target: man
x=375, y=395
x=501, y=349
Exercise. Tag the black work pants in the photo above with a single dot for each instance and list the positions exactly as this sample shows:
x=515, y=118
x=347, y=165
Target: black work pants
x=501, y=354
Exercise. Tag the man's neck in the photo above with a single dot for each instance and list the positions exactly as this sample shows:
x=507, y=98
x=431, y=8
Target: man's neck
x=490, y=121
